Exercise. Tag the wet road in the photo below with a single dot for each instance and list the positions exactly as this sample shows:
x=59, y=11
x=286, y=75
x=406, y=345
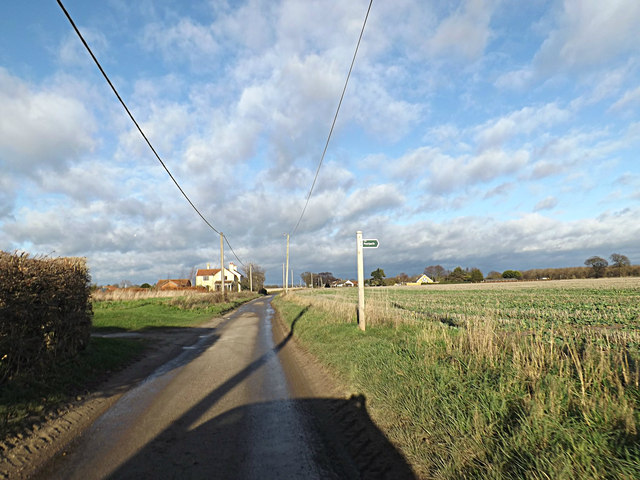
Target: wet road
x=224, y=408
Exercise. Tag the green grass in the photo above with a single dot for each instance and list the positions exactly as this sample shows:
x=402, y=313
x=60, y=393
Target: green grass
x=133, y=315
x=489, y=400
x=27, y=399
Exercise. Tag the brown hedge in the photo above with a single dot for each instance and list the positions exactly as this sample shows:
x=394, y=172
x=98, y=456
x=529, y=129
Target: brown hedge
x=45, y=312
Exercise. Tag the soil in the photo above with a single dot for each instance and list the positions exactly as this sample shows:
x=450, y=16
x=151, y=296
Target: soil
x=342, y=420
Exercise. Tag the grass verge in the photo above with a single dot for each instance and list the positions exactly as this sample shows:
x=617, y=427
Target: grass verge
x=476, y=402
x=26, y=400
x=179, y=311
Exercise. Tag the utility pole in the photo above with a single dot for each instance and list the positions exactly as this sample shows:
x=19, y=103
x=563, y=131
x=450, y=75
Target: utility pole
x=286, y=283
x=360, y=262
x=283, y=275
x=311, y=279
x=222, y=265
x=250, y=279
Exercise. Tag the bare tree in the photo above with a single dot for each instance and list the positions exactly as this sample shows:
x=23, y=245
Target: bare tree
x=257, y=277
x=435, y=272
x=621, y=262
x=598, y=264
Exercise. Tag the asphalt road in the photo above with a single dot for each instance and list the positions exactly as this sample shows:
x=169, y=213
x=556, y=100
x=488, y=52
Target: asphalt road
x=231, y=406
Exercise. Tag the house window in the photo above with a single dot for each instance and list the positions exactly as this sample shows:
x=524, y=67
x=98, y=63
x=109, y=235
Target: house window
x=205, y=278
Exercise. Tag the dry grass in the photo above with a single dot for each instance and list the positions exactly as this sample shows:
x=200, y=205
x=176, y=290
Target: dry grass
x=140, y=294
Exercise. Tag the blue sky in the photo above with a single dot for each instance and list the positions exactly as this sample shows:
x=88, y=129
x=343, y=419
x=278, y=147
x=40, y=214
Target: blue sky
x=490, y=134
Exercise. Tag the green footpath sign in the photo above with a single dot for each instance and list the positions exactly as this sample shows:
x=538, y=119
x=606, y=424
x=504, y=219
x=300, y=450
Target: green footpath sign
x=370, y=243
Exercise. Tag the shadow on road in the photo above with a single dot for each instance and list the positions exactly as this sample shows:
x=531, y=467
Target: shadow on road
x=337, y=440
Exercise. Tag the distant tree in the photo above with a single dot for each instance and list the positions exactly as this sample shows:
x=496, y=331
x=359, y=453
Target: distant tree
x=512, y=274
x=145, y=285
x=125, y=284
x=458, y=275
x=377, y=277
x=598, y=264
x=326, y=277
x=492, y=275
x=435, y=272
x=257, y=277
x=476, y=275
x=306, y=278
x=402, y=278
x=621, y=262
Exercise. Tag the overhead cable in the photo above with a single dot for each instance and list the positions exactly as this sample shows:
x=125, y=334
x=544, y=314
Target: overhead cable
x=124, y=105
x=335, y=117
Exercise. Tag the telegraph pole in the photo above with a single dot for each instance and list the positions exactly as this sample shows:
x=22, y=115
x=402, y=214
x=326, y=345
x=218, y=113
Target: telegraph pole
x=250, y=279
x=222, y=265
x=311, y=279
x=286, y=283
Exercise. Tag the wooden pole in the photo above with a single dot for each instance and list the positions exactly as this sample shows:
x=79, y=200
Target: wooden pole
x=360, y=263
x=286, y=279
x=222, y=265
x=250, y=279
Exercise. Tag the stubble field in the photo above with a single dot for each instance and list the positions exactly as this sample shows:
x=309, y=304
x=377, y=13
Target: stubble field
x=497, y=380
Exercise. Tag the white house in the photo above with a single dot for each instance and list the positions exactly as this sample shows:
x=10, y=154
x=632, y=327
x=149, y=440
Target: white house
x=211, y=279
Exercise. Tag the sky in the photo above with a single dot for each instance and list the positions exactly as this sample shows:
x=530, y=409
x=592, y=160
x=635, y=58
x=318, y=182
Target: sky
x=483, y=134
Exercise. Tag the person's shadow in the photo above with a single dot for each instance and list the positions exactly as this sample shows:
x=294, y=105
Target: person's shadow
x=332, y=438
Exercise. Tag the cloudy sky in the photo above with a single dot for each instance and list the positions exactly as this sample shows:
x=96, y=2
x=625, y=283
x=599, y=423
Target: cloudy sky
x=490, y=134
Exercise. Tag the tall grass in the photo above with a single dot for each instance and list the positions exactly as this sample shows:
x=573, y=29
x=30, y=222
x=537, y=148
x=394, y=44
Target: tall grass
x=469, y=392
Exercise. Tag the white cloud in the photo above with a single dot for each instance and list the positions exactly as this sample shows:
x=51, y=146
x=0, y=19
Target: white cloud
x=372, y=200
x=589, y=33
x=465, y=33
x=630, y=99
x=495, y=133
x=547, y=203
x=182, y=40
x=39, y=124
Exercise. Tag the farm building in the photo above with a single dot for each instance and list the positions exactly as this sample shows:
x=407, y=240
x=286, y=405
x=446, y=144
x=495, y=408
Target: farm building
x=211, y=278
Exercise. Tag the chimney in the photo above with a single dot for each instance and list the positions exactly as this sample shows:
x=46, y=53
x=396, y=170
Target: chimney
x=208, y=266
x=232, y=267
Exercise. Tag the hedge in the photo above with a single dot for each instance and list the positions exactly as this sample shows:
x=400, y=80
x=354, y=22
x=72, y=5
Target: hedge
x=45, y=312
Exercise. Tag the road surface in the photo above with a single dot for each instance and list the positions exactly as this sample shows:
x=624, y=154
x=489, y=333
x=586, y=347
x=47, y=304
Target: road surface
x=234, y=405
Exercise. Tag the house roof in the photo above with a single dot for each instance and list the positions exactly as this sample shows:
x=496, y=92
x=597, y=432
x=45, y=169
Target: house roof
x=203, y=272
x=179, y=282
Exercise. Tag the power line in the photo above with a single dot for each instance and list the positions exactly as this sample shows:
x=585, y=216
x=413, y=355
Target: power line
x=124, y=105
x=335, y=117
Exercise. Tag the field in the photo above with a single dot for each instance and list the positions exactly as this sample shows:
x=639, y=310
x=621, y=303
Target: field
x=142, y=310
x=613, y=302
x=509, y=380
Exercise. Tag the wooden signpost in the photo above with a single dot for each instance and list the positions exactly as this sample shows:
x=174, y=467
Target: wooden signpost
x=360, y=245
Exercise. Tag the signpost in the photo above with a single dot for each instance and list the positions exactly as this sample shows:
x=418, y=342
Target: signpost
x=360, y=244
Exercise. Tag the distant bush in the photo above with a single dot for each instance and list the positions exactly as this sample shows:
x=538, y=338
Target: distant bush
x=45, y=313
x=512, y=274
